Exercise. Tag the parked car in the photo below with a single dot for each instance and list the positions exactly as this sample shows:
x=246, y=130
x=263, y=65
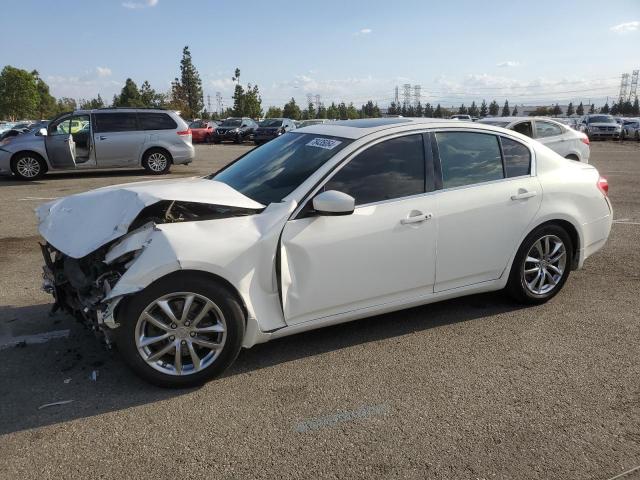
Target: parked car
x=202, y=130
x=237, y=130
x=320, y=226
x=631, y=129
x=313, y=121
x=560, y=138
x=102, y=138
x=600, y=126
x=461, y=117
x=271, y=128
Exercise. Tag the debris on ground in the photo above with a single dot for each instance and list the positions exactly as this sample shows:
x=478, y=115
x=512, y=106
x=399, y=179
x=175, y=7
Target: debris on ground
x=94, y=375
x=54, y=404
x=67, y=380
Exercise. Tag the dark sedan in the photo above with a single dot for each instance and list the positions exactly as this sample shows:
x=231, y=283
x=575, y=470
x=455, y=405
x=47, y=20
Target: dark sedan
x=270, y=128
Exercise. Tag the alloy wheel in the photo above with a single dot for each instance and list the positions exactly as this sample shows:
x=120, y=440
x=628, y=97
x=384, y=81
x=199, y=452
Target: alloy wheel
x=157, y=162
x=181, y=333
x=544, y=265
x=28, y=167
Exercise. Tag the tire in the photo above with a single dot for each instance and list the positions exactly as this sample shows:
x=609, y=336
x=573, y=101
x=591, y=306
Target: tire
x=637, y=136
x=239, y=139
x=28, y=166
x=157, y=161
x=225, y=319
x=572, y=157
x=520, y=283
x=216, y=142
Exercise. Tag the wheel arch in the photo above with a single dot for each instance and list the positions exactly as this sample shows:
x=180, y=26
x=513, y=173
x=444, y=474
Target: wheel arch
x=32, y=152
x=156, y=147
x=571, y=230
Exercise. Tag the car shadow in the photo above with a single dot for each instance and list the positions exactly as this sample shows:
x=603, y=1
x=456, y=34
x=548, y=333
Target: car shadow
x=62, y=369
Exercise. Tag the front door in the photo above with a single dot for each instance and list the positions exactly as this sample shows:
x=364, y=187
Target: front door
x=117, y=139
x=488, y=201
x=382, y=253
x=59, y=143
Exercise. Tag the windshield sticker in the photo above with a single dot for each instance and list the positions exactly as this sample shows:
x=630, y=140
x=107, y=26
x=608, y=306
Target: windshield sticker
x=326, y=143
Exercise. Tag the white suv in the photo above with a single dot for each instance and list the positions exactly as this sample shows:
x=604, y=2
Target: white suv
x=103, y=138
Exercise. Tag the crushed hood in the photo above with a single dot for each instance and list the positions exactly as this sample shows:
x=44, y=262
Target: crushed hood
x=79, y=224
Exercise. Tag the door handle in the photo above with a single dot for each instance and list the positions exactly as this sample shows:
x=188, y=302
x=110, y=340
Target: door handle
x=416, y=219
x=102, y=137
x=522, y=195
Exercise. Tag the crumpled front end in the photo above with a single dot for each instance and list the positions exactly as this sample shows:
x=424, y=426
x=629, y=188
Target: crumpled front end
x=83, y=265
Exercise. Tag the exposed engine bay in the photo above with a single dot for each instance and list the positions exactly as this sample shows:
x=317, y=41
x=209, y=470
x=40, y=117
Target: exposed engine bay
x=80, y=285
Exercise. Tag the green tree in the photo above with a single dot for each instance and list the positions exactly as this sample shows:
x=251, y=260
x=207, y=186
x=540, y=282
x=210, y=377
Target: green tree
x=92, y=104
x=322, y=111
x=506, y=111
x=463, y=110
x=352, y=112
x=149, y=97
x=274, y=112
x=66, y=104
x=483, y=109
x=636, y=107
x=494, y=108
x=292, y=110
x=310, y=112
x=129, y=95
x=428, y=110
x=46, y=102
x=342, y=111
x=332, y=111
x=437, y=113
x=515, y=111
x=419, y=110
x=18, y=94
x=592, y=108
x=540, y=112
x=473, y=110
x=252, y=102
x=605, y=108
x=570, y=109
x=556, y=110
x=191, y=85
x=580, y=109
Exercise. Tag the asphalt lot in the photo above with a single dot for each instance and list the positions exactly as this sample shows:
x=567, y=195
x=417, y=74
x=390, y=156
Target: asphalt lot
x=470, y=388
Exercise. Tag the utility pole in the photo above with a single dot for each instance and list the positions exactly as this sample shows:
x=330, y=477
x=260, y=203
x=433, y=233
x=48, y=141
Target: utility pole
x=406, y=95
x=416, y=95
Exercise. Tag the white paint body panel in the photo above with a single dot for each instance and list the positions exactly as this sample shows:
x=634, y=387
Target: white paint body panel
x=336, y=269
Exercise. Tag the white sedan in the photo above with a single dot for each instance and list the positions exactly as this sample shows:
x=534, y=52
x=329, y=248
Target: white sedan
x=560, y=138
x=323, y=225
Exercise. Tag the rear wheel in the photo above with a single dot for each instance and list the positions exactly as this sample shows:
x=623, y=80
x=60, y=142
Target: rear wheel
x=239, y=139
x=157, y=161
x=28, y=166
x=181, y=331
x=541, y=266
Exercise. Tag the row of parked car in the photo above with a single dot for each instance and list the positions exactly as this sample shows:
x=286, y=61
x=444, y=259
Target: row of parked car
x=241, y=129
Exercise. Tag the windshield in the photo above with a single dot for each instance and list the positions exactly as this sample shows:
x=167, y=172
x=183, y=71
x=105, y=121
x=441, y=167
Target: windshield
x=232, y=122
x=602, y=119
x=497, y=123
x=271, y=172
x=271, y=122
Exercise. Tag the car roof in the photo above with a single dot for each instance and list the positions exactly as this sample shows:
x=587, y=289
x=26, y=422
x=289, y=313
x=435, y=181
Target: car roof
x=354, y=129
x=120, y=109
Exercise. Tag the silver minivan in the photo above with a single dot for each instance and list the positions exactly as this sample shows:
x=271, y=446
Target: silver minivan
x=104, y=138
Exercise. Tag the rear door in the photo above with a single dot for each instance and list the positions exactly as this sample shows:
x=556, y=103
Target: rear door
x=59, y=144
x=554, y=137
x=117, y=138
x=487, y=201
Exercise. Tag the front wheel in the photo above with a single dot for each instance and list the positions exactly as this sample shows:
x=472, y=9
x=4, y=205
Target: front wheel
x=157, y=161
x=541, y=266
x=28, y=166
x=181, y=331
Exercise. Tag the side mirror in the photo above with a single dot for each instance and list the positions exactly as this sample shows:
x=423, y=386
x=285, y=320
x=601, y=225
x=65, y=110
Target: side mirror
x=334, y=203
x=43, y=132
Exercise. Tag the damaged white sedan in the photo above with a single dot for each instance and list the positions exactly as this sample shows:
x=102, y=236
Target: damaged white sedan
x=323, y=225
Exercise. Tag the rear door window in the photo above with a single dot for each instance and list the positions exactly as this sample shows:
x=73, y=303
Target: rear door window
x=547, y=129
x=467, y=158
x=156, y=121
x=116, y=122
x=525, y=128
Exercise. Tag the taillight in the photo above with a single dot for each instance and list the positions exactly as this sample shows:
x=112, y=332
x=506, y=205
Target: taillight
x=185, y=132
x=585, y=140
x=603, y=186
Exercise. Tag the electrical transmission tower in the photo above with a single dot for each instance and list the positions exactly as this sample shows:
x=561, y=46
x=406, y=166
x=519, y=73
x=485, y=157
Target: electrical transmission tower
x=624, y=87
x=309, y=98
x=209, y=103
x=406, y=95
x=633, y=89
x=317, y=101
x=416, y=95
x=219, y=102
x=396, y=98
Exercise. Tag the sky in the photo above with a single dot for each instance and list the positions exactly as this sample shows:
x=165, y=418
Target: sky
x=343, y=50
